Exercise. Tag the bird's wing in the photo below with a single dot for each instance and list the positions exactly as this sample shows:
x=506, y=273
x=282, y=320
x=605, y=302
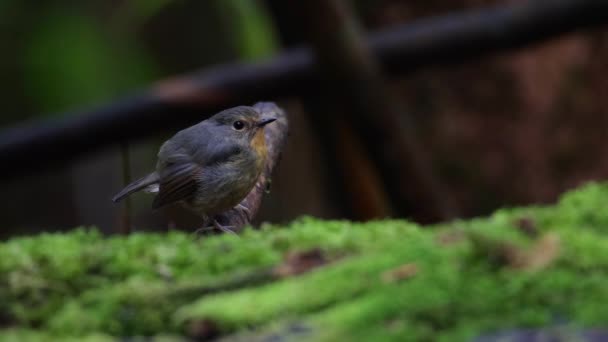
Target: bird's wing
x=183, y=161
x=137, y=185
x=177, y=182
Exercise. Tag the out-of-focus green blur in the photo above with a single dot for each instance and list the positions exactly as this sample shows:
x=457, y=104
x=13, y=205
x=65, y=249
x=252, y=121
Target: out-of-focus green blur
x=64, y=55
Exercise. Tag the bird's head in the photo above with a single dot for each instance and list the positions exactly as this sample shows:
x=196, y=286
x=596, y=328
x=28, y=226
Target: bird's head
x=243, y=123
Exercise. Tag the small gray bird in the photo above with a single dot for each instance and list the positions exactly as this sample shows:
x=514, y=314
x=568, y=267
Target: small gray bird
x=209, y=167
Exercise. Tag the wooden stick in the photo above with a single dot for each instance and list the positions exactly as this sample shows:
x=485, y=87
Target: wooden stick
x=276, y=137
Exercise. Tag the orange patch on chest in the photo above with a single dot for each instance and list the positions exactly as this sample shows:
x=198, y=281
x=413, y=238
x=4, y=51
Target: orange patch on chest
x=259, y=146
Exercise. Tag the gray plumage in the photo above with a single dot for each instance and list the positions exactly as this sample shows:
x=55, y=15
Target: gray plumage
x=211, y=166
x=144, y=182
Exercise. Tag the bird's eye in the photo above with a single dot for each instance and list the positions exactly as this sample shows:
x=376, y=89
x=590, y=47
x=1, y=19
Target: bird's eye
x=238, y=125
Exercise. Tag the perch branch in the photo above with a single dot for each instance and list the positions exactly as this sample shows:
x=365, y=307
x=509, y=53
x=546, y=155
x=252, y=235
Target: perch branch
x=184, y=100
x=361, y=195
x=276, y=137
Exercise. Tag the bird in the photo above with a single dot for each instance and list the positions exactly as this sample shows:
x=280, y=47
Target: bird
x=210, y=167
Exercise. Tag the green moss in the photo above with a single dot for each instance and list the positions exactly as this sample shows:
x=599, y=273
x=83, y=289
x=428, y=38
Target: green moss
x=471, y=277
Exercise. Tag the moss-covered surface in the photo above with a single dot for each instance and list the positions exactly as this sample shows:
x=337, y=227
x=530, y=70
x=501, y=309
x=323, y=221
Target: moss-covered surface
x=317, y=280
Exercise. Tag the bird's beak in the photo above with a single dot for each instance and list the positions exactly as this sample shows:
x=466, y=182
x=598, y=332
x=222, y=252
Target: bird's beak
x=265, y=122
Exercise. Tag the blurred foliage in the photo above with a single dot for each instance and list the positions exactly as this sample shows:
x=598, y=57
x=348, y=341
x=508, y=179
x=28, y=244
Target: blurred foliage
x=68, y=55
x=70, y=60
x=383, y=280
x=134, y=14
x=251, y=28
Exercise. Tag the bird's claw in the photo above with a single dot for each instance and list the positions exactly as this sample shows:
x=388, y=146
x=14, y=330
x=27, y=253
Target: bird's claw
x=245, y=210
x=225, y=229
x=215, y=225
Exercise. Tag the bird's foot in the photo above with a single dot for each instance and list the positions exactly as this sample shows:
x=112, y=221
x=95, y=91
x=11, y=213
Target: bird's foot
x=225, y=229
x=215, y=225
x=245, y=210
x=203, y=230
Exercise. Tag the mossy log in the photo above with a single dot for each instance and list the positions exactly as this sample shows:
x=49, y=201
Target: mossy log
x=519, y=272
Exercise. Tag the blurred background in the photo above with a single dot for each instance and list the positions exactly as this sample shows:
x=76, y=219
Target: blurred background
x=511, y=129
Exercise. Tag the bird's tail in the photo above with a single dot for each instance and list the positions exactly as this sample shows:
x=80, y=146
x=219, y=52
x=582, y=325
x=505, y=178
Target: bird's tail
x=150, y=180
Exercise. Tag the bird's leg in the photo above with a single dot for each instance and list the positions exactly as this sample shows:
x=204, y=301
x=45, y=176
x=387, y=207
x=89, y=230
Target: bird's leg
x=206, y=226
x=203, y=229
x=245, y=210
x=225, y=229
x=214, y=224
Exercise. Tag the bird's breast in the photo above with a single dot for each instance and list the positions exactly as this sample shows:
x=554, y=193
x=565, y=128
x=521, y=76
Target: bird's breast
x=258, y=144
x=224, y=185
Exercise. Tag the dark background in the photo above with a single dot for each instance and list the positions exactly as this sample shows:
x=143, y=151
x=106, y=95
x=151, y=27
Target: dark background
x=513, y=129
